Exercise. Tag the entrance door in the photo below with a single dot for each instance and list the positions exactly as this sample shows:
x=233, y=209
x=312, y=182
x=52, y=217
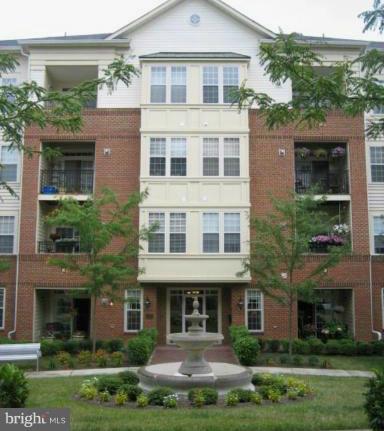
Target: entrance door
x=82, y=307
x=180, y=304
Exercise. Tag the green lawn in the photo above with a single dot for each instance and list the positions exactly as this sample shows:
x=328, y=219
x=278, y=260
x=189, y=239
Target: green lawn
x=362, y=363
x=338, y=405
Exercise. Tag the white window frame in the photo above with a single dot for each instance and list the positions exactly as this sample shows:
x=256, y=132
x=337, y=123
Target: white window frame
x=254, y=331
x=168, y=143
x=167, y=232
x=168, y=83
x=126, y=330
x=2, y=307
x=221, y=231
x=3, y=145
x=369, y=158
x=220, y=82
x=15, y=232
x=221, y=156
x=372, y=230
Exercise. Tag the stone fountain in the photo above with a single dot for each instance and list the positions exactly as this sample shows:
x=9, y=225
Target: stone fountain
x=195, y=371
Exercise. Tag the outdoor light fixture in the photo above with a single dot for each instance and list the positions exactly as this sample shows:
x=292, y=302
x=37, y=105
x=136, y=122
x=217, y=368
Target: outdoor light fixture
x=240, y=304
x=106, y=301
x=147, y=302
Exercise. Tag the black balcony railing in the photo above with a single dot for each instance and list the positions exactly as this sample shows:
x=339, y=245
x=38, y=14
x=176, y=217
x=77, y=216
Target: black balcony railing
x=331, y=183
x=88, y=104
x=55, y=181
x=65, y=246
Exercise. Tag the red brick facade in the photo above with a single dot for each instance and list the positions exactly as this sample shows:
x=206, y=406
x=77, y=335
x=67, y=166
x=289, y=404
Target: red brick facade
x=271, y=172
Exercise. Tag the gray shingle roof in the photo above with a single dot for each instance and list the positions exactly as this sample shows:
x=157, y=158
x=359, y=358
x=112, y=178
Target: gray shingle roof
x=98, y=36
x=195, y=55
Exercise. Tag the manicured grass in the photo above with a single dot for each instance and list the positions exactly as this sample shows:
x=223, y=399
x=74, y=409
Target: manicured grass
x=362, y=363
x=338, y=405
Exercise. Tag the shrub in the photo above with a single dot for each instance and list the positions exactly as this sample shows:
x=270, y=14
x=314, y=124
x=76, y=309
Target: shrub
x=316, y=346
x=52, y=364
x=132, y=391
x=378, y=347
x=114, y=345
x=85, y=358
x=88, y=392
x=210, y=395
x=270, y=362
x=274, y=346
x=285, y=346
x=292, y=394
x=129, y=378
x=273, y=395
x=110, y=384
x=13, y=387
x=246, y=349
x=152, y=333
x=363, y=348
x=142, y=401
x=63, y=358
x=266, y=381
x=313, y=361
x=256, y=398
x=302, y=389
x=117, y=359
x=71, y=363
x=332, y=347
x=85, y=344
x=104, y=396
x=231, y=399
x=374, y=401
x=301, y=347
x=170, y=401
x=72, y=347
x=244, y=395
x=347, y=347
x=326, y=364
x=238, y=331
x=259, y=379
x=139, y=350
x=263, y=391
x=51, y=347
x=157, y=395
x=101, y=358
x=284, y=359
x=198, y=399
x=297, y=360
x=121, y=398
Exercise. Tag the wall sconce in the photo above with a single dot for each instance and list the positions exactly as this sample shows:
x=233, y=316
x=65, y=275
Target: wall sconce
x=106, y=301
x=147, y=302
x=240, y=304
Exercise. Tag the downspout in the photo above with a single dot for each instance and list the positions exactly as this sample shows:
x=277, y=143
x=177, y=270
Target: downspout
x=13, y=332
x=377, y=333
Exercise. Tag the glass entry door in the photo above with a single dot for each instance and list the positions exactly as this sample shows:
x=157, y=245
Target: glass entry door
x=181, y=304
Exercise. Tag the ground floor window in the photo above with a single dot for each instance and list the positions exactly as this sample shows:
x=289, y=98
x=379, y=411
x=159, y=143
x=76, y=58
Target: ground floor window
x=133, y=310
x=255, y=310
x=2, y=308
x=378, y=233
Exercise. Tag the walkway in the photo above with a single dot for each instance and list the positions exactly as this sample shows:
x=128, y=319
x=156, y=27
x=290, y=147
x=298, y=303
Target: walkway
x=220, y=353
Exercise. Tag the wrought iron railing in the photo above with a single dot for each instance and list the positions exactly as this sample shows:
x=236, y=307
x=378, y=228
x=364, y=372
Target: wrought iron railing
x=332, y=183
x=78, y=181
x=65, y=246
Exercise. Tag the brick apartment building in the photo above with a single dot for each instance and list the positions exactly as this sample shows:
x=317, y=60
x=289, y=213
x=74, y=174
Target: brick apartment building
x=207, y=168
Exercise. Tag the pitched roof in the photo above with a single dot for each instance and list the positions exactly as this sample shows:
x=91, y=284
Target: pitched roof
x=17, y=42
x=195, y=55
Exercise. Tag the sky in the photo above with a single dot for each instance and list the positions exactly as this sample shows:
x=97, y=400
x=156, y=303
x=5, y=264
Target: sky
x=41, y=18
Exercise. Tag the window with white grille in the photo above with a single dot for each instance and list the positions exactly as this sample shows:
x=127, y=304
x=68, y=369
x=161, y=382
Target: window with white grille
x=211, y=233
x=231, y=157
x=7, y=234
x=178, y=84
x=156, y=241
x=377, y=164
x=255, y=310
x=211, y=157
x=221, y=157
x=230, y=83
x=177, y=233
x=9, y=162
x=221, y=233
x=220, y=83
x=158, y=84
x=170, y=231
x=168, y=157
x=210, y=84
x=178, y=157
x=158, y=157
x=232, y=233
x=133, y=310
x=378, y=234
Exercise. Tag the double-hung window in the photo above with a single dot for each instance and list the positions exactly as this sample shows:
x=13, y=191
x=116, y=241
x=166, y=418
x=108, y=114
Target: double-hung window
x=211, y=233
x=221, y=233
x=9, y=82
x=221, y=157
x=2, y=307
x=133, y=310
x=168, y=157
x=158, y=84
x=232, y=233
x=178, y=84
x=169, y=234
x=255, y=310
x=7, y=234
x=219, y=83
x=378, y=234
x=9, y=162
x=377, y=164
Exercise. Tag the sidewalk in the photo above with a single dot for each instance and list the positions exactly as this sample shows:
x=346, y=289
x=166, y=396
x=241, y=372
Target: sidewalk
x=271, y=370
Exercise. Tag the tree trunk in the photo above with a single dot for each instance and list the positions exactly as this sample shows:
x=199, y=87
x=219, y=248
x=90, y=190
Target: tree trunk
x=290, y=336
x=93, y=323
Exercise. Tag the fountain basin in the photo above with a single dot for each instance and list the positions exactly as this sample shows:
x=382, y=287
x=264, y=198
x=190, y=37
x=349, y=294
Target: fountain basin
x=223, y=377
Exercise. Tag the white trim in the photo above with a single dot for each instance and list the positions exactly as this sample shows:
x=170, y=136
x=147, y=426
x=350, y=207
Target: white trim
x=168, y=146
x=253, y=331
x=2, y=323
x=134, y=331
x=14, y=214
x=18, y=169
x=220, y=82
x=221, y=157
x=168, y=84
x=149, y=16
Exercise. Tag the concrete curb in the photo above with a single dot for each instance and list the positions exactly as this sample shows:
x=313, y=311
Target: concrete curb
x=78, y=373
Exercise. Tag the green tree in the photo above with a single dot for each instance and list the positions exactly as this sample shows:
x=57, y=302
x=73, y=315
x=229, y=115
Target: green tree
x=279, y=247
x=318, y=88
x=26, y=104
x=109, y=241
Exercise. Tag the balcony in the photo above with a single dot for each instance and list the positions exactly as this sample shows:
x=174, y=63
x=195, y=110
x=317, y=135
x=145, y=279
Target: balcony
x=322, y=169
x=55, y=181
x=64, y=246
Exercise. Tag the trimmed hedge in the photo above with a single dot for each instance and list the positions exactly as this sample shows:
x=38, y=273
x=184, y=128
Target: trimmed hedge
x=245, y=346
x=141, y=347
